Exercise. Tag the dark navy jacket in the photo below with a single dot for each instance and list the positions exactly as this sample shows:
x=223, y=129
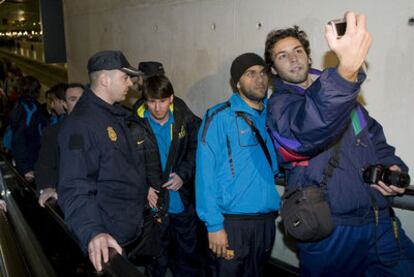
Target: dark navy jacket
x=102, y=186
x=306, y=123
x=26, y=133
x=186, y=125
x=46, y=167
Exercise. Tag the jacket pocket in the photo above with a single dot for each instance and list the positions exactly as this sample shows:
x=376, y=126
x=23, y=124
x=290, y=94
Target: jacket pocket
x=245, y=134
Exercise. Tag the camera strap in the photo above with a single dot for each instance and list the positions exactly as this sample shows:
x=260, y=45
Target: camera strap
x=257, y=135
x=395, y=230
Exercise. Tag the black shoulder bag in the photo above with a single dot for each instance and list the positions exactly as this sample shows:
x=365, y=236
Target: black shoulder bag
x=305, y=211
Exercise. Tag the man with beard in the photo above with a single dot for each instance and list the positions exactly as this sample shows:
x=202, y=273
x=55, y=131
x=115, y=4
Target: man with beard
x=236, y=163
x=314, y=116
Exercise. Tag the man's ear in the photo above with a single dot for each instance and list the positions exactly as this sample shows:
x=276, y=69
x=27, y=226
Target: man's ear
x=104, y=79
x=171, y=98
x=309, y=60
x=273, y=70
x=238, y=85
x=65, y=106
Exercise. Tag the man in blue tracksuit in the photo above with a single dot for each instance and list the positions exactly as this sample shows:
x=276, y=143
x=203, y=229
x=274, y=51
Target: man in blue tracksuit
x=309, y=112
x=27, y=122
x=102, y=185
x=236, y=195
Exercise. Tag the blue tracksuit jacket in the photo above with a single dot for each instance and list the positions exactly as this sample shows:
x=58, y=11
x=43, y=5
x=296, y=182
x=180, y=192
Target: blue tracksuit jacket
x=233, y=175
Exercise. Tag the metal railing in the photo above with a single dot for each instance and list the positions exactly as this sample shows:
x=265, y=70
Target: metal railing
x=12, y=262
x=38, y=262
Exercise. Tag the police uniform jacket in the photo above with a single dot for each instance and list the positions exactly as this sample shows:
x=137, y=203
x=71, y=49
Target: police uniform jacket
x=102, y=187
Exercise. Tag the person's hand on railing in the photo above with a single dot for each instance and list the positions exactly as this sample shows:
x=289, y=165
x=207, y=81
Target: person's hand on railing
x=47, y=194
x=29, y=176
x=98, y=249
x=3, y=206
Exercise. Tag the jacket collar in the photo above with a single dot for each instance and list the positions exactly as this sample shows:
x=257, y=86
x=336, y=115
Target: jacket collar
x=237, y=104
x=115, y=109
x=280, y=85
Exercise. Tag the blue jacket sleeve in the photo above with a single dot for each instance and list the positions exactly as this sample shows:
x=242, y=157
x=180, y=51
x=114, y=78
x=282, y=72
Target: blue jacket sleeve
x=385, y=152
x=77, y=189
x=306, y=124
x=207, y=190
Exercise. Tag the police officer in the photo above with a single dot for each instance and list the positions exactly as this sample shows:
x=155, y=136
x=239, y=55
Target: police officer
x=102, y=186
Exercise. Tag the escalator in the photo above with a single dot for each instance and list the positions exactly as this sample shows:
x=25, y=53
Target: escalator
x=34, y=241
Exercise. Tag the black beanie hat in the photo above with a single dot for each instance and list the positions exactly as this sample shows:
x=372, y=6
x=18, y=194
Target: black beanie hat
x=242, y=63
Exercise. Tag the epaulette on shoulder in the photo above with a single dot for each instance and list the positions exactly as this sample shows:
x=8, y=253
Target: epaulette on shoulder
x=210, y=116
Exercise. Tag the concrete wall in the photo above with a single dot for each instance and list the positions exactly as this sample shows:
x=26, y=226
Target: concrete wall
x=196, y=40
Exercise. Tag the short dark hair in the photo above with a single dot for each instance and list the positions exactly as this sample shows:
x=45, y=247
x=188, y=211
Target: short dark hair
x=74, y=85
x=157, y=87
x=276, y=35
x=58, y=90
x=30, y=86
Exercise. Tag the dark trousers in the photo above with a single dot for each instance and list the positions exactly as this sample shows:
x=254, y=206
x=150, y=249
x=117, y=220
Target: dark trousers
x=364, y=250
x=252, y=239
x=178, y=243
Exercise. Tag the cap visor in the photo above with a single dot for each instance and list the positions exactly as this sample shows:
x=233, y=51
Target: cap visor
x=131, y=71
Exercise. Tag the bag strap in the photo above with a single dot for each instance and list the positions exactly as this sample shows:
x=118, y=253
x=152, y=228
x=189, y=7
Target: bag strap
x=332, y=164
x=257, y=135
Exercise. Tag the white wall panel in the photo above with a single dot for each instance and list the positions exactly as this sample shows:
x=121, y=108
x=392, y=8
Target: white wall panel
x=197, y=56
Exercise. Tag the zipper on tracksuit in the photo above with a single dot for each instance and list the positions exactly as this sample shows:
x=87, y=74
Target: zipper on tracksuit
x=229, y=157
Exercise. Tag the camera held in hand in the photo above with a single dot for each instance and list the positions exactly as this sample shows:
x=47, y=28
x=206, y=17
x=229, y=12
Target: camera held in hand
x=375, y=173
x=339, y=27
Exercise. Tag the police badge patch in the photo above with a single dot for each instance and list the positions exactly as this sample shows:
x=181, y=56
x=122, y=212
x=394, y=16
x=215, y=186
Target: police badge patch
x=111, y=133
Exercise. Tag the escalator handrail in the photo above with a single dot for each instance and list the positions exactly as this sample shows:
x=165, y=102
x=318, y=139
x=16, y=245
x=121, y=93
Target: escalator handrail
x=33, y=252
x=12, y=262
x=118, y=266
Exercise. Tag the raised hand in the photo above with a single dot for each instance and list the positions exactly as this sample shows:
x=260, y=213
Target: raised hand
x=352, y=48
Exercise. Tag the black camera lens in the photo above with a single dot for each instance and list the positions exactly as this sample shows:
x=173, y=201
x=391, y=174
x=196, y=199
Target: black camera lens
x=395, y=178
x=375, y=173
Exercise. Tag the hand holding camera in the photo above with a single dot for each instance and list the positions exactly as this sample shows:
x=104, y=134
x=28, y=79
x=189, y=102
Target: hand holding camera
x=389, y=181
x=350, y=41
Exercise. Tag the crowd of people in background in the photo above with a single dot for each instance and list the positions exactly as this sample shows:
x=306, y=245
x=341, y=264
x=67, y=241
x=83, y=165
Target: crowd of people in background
x=207, y=187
